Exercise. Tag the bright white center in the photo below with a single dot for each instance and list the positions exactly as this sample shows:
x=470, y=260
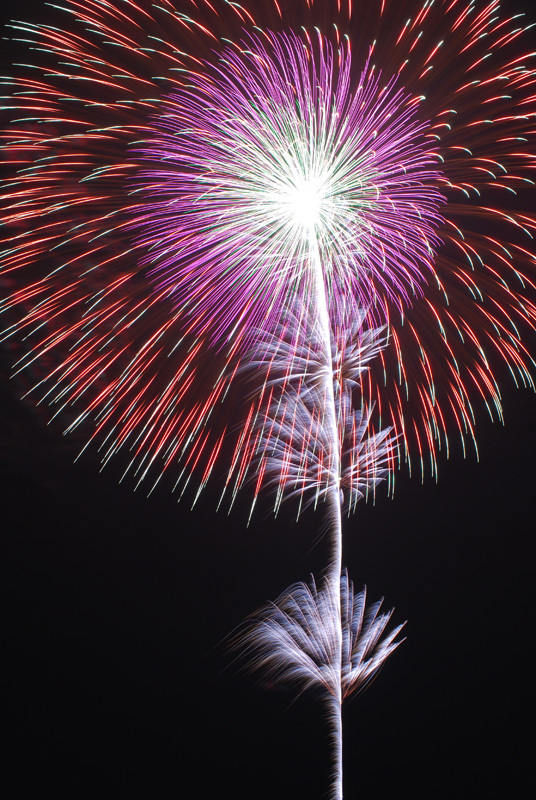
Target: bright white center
x=305, y=201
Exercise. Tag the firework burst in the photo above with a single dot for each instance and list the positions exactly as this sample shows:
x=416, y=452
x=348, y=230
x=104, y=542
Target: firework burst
x=111, y=301
x=209, y=198
x=276, y=153
x=295, y=638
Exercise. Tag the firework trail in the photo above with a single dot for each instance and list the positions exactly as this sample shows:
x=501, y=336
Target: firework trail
x=289, y=190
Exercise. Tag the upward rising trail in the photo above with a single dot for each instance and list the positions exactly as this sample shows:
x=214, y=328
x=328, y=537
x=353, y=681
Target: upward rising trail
x=334, y=566
x=313, y=443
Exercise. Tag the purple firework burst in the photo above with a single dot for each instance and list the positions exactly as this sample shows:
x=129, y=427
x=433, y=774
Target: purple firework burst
x=249, y=155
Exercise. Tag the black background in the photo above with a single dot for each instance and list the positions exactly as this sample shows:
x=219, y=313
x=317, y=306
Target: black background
x=117, y=681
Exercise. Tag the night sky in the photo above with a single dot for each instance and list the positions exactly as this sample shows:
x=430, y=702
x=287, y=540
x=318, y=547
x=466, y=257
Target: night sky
x=117, y=680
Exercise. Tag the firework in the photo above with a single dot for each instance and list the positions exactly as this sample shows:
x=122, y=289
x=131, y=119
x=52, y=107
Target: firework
x=255, y=234
x=297, y=639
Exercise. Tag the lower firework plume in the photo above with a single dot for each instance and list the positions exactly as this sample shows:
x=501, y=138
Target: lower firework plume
x=290, y=239
x=296, y=638
x=325, y=639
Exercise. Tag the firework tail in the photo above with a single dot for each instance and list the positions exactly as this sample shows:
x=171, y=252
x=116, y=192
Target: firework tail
x=309, y=636
x=333, y=500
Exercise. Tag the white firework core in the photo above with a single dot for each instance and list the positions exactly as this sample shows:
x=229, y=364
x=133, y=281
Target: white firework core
x=306, y=200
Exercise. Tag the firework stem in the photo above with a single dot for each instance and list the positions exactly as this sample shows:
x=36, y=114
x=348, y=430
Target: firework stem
x=335, y=721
